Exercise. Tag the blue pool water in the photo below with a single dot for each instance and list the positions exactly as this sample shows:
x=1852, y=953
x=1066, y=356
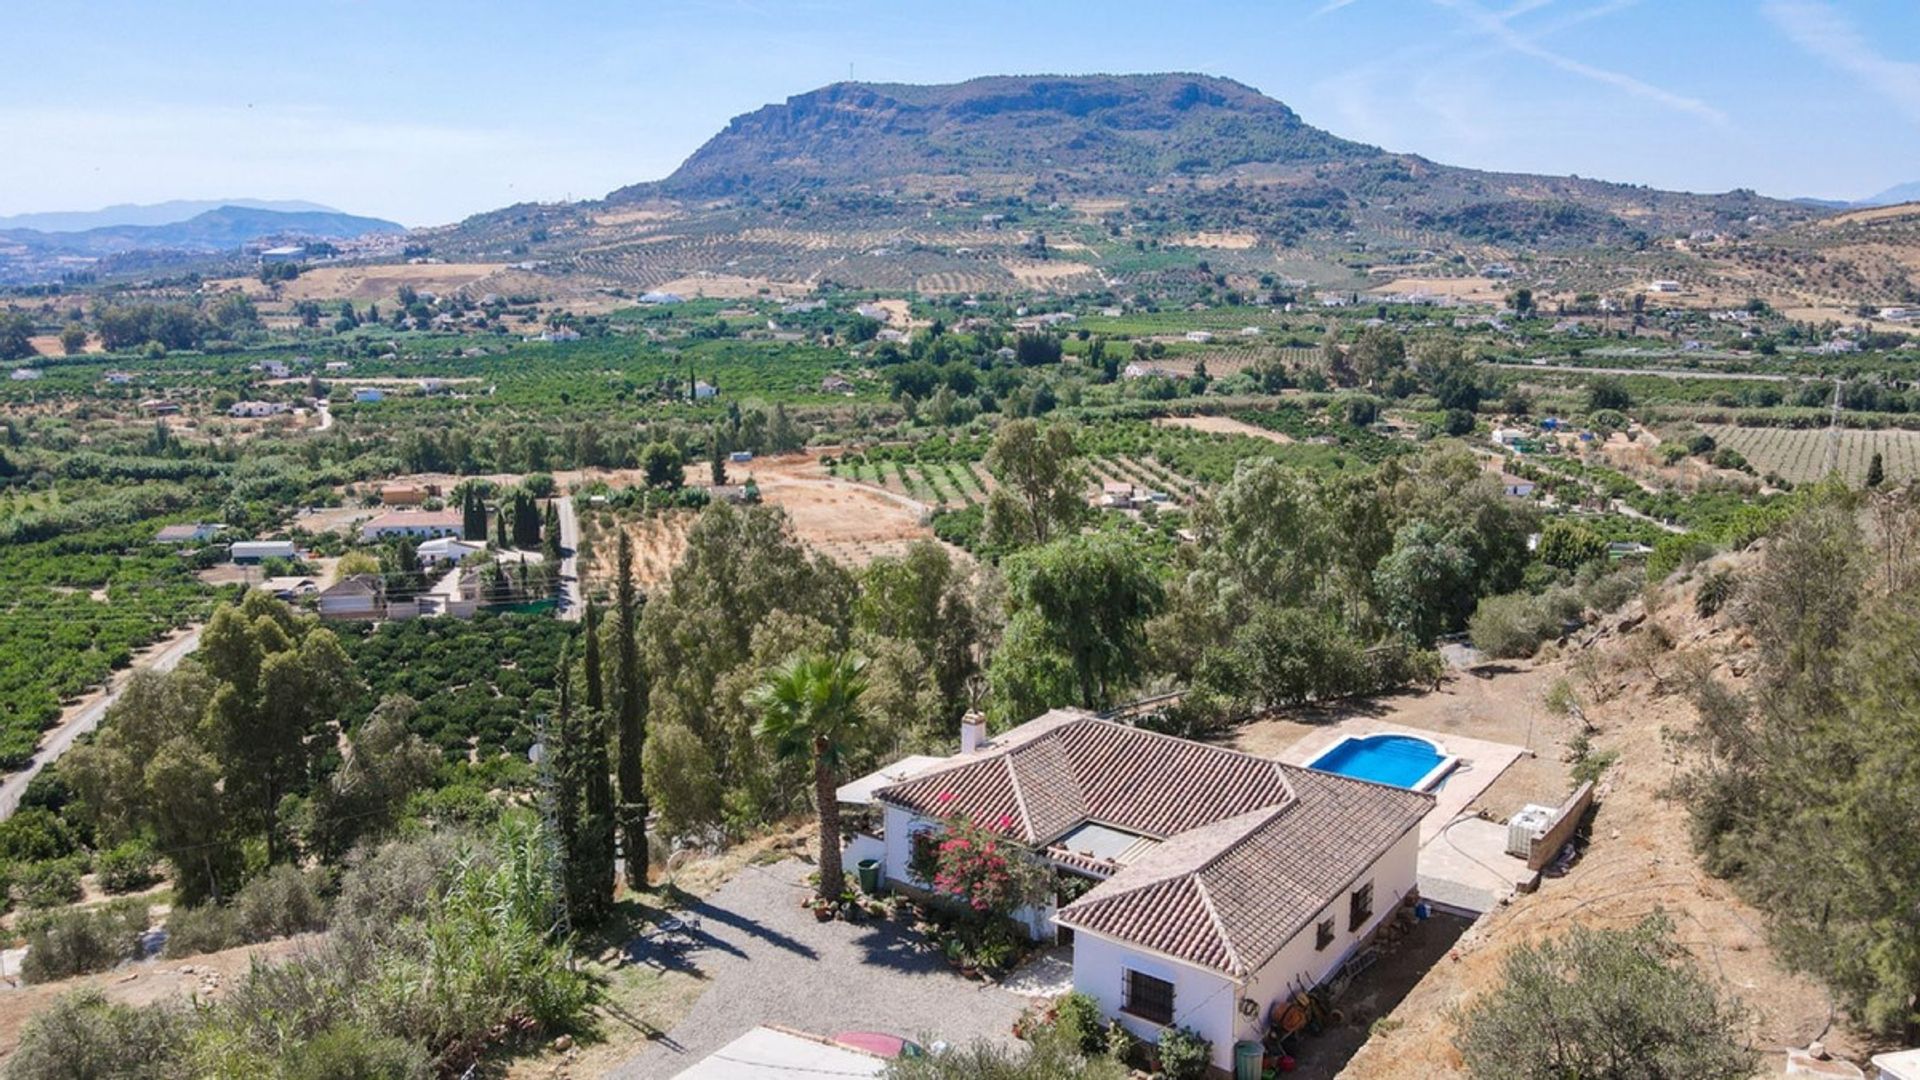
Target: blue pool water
x=1400, y=760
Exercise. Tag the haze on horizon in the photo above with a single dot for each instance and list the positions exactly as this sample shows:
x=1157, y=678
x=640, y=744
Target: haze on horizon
x=431, y=112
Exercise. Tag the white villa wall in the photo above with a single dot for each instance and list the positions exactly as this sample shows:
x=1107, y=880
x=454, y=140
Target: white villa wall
x=1202, y=1000
x=1299, y=966
x=901, y=825
x=1208, y=1002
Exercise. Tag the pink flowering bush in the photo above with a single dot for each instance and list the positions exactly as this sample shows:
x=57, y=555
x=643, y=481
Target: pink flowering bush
x=986, y=870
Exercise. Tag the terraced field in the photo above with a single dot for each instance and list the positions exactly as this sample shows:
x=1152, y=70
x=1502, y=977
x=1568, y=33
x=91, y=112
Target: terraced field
x=1800, y=455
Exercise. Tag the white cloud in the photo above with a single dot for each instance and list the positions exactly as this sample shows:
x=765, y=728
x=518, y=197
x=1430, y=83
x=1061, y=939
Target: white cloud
x=1827, y=34
x=1499, y=28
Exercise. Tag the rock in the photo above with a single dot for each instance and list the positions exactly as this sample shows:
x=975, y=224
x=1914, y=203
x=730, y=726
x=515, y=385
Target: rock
x=563, y=1044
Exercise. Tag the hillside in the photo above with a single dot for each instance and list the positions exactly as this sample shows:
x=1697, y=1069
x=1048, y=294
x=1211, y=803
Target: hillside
x=1103, y=131
x=1173, y=186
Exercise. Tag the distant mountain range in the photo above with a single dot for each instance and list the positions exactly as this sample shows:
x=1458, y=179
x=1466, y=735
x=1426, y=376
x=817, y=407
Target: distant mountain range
x=222, y=229
x=31, y=255
x=162, y=213
x=1899, y=194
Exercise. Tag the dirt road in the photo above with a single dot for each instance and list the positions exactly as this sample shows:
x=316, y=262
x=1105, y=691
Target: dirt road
x=61, y=739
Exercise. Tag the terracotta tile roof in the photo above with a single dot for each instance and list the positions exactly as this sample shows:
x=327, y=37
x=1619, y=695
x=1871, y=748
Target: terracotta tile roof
x=1066, y=768
x=1251, y=850
x=1255, y=880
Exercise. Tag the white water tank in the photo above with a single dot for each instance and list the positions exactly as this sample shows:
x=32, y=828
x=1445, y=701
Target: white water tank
x=1525, y=826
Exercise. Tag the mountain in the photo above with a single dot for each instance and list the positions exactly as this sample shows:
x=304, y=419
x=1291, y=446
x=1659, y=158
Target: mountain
x=223, y=229
x=1898, y=194
x=1154, y=184
x=162, y=213
x=1156, y=140
x=1128, y=130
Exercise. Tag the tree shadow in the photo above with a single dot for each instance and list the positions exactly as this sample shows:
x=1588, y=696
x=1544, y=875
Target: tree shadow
x=888, y=945
x=706, y=911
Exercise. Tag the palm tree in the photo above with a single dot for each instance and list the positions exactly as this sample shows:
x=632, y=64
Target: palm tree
x=810, y=710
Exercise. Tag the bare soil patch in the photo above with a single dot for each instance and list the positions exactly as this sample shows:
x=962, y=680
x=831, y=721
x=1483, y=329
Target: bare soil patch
x=1223, y=425
x=1219, y=241
x=375, y=282
x=1487, y=290
x=729, y=287
x=853, y=523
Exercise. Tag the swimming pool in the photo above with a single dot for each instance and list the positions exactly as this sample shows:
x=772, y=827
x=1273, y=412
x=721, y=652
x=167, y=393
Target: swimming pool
x=1406, y=761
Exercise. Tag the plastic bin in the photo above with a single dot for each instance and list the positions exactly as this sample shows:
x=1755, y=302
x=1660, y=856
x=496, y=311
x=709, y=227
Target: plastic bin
x=1248, y=1060
x=869, y=870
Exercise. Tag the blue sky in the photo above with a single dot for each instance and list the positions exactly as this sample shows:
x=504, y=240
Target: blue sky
x=427, y=111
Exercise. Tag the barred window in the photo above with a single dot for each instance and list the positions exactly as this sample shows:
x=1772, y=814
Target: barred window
x=1323, y=935
x=1360, y=906
x=1149, y=998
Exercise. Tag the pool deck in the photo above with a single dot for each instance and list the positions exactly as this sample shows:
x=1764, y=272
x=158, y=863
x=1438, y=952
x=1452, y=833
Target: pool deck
x=1463, y=861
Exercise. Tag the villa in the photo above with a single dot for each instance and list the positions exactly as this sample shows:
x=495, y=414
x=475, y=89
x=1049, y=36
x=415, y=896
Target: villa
x=1216, y=883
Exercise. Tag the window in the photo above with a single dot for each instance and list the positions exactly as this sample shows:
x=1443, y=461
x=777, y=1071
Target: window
x=1149, y=998
x=1360, y=906
x=1323, y=935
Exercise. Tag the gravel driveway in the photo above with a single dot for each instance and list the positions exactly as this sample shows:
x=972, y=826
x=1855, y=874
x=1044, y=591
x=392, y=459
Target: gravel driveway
x=769, y=961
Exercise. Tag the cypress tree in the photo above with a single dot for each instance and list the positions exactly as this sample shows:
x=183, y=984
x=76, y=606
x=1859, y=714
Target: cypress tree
x=564, y=771
x=551, y=543
x=473, y=516
x=596, y=827
x=1876, y=471
x=633, y=723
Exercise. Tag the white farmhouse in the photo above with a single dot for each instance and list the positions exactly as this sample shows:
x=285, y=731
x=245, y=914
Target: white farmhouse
x=1224, y=882
x=414, y=524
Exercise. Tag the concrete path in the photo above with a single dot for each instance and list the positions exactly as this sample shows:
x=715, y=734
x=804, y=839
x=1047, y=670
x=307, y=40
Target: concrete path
x=60, y=739
x=768, y=961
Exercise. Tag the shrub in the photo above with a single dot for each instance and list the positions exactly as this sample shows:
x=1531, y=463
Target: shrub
x=1077, y=1016
x=1048, y=1056
x=354, y=1053
x=1514, y=625
x=1568, y=1006
x=49, y=884
x=280, y=903
x=84, y=1035
x=63, y=944
x=1715, y=590
x=128, y=867
x=1184, y=1055
x=204, y=929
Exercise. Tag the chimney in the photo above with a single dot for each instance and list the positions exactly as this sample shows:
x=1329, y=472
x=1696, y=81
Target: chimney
x=973, y=731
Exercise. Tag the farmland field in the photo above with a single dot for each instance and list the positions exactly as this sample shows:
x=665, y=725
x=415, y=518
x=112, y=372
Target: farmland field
x=1800, y=454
